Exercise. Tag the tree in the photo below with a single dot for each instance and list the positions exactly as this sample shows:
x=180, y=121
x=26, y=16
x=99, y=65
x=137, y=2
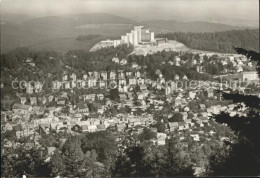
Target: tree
x=160, y=126
x=74, y=157
x=114, y=94
x=19, y=161
x=177, y=117
x=146, y=135
x=244, y=154
x=178, y=162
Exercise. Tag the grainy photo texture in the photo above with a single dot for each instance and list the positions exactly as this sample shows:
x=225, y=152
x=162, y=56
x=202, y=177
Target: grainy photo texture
x=130, y=88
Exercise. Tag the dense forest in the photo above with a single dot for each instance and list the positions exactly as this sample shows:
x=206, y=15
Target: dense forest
x=218, y=41
x=87, y=37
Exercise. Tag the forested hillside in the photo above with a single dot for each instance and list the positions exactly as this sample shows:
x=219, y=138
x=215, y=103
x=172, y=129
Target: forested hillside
x=218, y=41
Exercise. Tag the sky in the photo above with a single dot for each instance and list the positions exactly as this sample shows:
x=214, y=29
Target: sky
x=182, y=10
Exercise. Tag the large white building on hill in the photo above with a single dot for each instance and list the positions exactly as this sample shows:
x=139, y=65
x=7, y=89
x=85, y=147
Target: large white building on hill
x=136, y=37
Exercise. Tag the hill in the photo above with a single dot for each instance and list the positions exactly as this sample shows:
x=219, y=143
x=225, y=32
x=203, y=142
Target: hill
x=59, y=33
x=175, y=26
x=15, y=18
x=74, y=20
x=218, y=41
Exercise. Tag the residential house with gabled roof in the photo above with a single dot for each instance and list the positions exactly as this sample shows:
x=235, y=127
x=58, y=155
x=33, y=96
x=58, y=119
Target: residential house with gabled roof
x=183, y=126
x=82, y=107
x=123, y=61
x=123, y=96
x=134, y=65
x=23, y=109
x=140, y=81
x=173, y=126
x=115, y=60
x=112, y=75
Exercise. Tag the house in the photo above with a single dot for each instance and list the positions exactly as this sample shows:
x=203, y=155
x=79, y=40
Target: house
x=115, y=60
x=6, y=104
x=123, y=61
x=185, y=77
x=134, y=65
x=140, y=81
x=140, y=95
x=102, y=84
x=176, y=77
x=202, y=106
x=204, y=119
x=142, y=87
x=177, y=101
x=85, y=76
x=33, y=100
x=8, y=126
x=123, y=96
x=61, y=102
x=65, y=77
x=121, y=81
x=100, y=108
x=101, y=127
x=171, y=63
x=38, y=110
x=23, y=109
x=112, y=75
x=210, y=92
x=161, y=138
x=92, y=128
x=132, y=81
x=120, y=127
x=173, y=125
x=137, y=74
x=82, y=107
x=89, y=97
x=129, y=73
x=103, y=75
x=50, y=150
x=183, y=126
x=23, y=100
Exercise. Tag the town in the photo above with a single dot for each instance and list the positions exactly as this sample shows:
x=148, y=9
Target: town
x=130, y=89
x=125, y=101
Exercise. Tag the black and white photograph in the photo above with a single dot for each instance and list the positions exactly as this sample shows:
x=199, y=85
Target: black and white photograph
x=130, y=88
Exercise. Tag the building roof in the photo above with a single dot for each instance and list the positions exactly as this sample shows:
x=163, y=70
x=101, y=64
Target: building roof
x=173, y=124
x=21, y=106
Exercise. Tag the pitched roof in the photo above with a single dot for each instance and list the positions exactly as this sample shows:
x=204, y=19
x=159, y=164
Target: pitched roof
x=21, y=106
x=173, y=124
